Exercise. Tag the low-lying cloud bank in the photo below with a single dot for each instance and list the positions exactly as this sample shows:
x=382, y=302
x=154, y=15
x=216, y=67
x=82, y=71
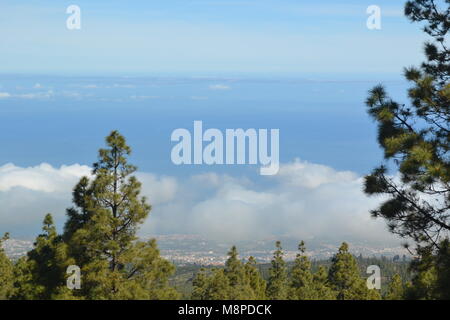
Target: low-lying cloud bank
x=305, y=201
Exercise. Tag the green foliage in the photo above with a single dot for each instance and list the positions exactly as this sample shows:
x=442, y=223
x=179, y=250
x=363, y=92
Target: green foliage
x=234, y=269
x=304, y=284
x=306, y=280
x=24, y=286
x=443, y=270
x=6, y=272
x=395, y=289
x=321, y=286
x=239, y=284
x=345, y=279
x=218, y=287
x=213, y=286
x=101, y=232
x=416, y=138
x=301, y=287
x=237, y=281
x=200, y=284
x=277, y=286
x=42, y=274
x=254, y=280
x=99, y=237
x=431, y=274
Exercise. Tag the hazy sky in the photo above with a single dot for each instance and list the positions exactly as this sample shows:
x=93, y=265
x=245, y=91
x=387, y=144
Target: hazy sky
x=265, y=36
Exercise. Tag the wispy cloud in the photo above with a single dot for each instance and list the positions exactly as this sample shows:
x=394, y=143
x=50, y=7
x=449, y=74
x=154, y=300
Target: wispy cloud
x=39, y=95
x=28, y=96
x=138, y=97
x=128, y=86
x=219, y=87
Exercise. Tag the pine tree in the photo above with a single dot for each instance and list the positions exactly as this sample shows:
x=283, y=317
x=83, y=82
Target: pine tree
x=200, y=285
x=424, y=282
x=256, y=282
x=6, y=272
x=218, y=287
x=101, y=232
x=416, y=141
x=321, y=285
x=24, y=288
x=443, y=270
x=42, y=274
x=431, y=271
x=235, y=271
x=301, y=277
x=277, y=286
x=237, y=281
x=77, y=218
x=395, y=289
x=416, y=138
x=345, y=279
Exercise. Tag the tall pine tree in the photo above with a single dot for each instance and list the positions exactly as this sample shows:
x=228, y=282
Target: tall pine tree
x=239, y=286
x=254, y=279
x=237, y=281
x=278, y=286
x=415, y=138
x=322, y=287
x=6, y=272
x=42, y=274
x=395, y=289
x=301, y=277
x=101, y=232
x=416, y=141
x=345, y=278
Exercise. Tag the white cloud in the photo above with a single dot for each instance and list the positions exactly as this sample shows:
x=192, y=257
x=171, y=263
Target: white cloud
x=310, y=175
x=48, y=94
x=128, y=86
x=158, y=189
x=27, y=194
x=136, y=97
x=44, y=94
x=305, y=200
x=38, y=95
x=219, y=87
x=90, y=86
x=43, y=178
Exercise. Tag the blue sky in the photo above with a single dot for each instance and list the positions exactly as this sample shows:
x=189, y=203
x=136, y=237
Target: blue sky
x=205, y=36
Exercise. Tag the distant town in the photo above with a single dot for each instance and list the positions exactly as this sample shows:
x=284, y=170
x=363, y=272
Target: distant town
x=193, y=249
